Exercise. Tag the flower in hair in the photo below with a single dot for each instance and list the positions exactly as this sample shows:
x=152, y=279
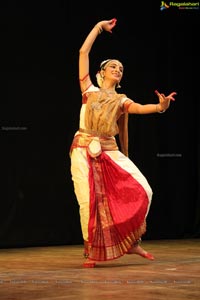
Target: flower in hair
x=99, y=79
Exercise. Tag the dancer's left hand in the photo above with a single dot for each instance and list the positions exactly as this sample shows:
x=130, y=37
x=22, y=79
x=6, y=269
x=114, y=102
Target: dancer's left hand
x=164, y=101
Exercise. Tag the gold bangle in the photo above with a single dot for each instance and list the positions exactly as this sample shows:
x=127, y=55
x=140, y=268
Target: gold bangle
x=158, y=111
x=100, y=29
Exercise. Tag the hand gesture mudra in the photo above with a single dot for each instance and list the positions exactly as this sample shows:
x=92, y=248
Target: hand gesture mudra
x=165, y=100
x=107, y=25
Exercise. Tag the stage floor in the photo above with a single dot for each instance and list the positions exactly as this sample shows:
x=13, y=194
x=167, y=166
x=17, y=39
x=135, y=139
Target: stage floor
x=55, y=273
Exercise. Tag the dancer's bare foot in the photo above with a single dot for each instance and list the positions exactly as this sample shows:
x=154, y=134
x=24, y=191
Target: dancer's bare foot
x=88, y=263
x=136, y=249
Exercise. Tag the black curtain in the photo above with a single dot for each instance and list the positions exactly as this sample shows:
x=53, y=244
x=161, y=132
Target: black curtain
x=40, y=102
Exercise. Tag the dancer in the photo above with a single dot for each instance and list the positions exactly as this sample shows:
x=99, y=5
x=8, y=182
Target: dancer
x=114, y=197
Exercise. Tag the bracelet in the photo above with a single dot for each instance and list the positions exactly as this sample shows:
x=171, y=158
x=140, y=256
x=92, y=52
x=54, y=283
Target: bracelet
x=100, y=29
x=158, y=111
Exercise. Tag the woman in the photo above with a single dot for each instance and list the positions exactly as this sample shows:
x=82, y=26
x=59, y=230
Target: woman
x=113, y=195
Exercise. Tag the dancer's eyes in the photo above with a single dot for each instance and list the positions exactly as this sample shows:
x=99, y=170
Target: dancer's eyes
x=119, y=68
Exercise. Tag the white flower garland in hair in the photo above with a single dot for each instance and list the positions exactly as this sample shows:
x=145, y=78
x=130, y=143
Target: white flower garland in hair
x=104, y=63
x=99, y=79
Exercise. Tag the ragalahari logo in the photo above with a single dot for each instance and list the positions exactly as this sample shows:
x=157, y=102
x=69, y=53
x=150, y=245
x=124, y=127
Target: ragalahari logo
x=179, y=5
x=163, y=5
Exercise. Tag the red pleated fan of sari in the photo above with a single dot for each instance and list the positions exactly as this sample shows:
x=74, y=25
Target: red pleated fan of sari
x=118, y=205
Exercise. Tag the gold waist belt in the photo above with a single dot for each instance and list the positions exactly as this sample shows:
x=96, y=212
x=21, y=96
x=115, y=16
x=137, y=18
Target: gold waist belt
x=85, y=137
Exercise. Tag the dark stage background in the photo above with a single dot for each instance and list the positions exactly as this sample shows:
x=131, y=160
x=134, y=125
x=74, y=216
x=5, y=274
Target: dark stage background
x=40, y=102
